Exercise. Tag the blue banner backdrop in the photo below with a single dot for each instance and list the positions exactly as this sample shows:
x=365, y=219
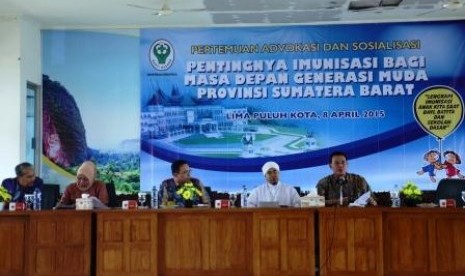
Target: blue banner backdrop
x=229, y=99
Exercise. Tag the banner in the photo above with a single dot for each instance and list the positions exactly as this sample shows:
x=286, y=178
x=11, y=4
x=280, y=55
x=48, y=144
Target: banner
x=229, y=99
x=91, y=106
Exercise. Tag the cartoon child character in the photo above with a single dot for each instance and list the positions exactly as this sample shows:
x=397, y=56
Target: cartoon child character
x=452, y=158
x=432, y=157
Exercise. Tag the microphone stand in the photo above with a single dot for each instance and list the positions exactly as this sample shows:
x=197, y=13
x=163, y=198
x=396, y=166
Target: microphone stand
x=341, y=196
x=341, y=182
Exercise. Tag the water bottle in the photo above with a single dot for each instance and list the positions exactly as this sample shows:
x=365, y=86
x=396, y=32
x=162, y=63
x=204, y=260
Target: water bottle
x=154, y=197
x=37, y=203
x=244, y=197
x=395, y=197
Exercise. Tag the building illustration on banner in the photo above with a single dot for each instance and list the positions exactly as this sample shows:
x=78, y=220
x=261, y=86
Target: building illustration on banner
x=216, y=131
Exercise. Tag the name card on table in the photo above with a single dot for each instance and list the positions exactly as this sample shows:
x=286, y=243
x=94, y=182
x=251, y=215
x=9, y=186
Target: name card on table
x=17, y=206
x=447, y=203
x=222, y=203
x=129, y=204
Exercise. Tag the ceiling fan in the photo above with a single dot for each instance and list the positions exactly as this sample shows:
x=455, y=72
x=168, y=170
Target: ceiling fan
x=447, y=5
x=165, y=9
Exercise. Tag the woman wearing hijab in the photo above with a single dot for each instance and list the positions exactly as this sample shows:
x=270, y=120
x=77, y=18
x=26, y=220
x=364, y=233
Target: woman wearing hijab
x=85, y=184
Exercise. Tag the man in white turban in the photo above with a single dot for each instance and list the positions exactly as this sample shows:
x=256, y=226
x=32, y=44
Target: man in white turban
x=85, y=184
x=273, y=190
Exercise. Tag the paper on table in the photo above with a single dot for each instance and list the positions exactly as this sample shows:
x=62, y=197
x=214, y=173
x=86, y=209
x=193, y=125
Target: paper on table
x=98, y=204
x=361, y=201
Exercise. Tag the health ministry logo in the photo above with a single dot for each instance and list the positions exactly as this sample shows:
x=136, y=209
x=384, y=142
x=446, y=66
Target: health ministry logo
x=161, y=55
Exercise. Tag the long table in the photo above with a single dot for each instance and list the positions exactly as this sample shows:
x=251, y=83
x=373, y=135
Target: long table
x=325, y=241
x=391, y=241
x=206, y=242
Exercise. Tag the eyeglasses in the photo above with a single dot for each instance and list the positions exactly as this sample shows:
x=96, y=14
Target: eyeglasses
x=186, y=172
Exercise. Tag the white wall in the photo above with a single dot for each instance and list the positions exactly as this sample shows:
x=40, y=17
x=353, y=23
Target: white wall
x=31, y=71
x=20, y=62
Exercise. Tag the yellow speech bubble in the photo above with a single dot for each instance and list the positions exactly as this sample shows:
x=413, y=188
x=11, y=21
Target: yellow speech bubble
x=439, y=110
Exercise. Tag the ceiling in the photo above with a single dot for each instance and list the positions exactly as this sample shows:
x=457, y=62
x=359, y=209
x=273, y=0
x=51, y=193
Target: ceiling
x=89, y=14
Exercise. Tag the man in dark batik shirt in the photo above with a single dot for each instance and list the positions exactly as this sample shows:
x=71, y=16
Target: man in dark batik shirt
x=351, y=185
x=181, y=175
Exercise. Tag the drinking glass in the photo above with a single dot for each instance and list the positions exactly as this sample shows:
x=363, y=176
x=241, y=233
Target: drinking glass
x=142, y=197
x=29, y=201
x=463, y=198
x=232, y=198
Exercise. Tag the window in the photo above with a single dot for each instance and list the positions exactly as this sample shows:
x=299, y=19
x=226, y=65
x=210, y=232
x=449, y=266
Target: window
x=33, y=124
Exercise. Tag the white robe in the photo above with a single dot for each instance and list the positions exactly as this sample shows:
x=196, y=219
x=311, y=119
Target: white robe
x=282, y=193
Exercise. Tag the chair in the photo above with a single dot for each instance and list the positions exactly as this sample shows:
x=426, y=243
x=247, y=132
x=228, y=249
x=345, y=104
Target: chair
x=50, y=196
x=112, y=198
x=451, y=188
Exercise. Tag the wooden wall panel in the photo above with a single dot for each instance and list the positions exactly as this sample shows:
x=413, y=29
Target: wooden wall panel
x=284, y=242
x=449, y=243
x=126, y=243
x=60, y=243
x=350, y=241
x=204, y=243
x=424, y=242
x=230, y=243
x=182, y=243
x=13, y=236
x=406, y=246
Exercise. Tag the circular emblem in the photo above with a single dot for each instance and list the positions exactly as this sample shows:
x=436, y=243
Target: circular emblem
x=161, y=55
